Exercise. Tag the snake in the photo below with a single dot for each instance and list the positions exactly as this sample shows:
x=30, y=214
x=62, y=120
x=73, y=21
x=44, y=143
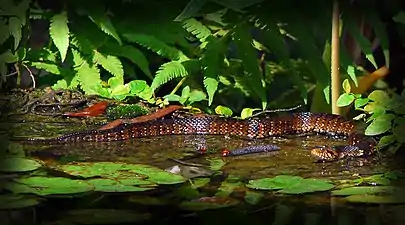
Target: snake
x=358, y=144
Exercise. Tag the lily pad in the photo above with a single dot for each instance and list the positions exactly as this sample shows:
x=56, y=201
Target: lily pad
x=216, y=163
x=206, y=203
x=107, y=185
x=16, y=164
x=48, y=186
x=122, y=171
x=290, y=184
x=364, y=190
x=104, y=216
x=17, y=201
x=377, y=199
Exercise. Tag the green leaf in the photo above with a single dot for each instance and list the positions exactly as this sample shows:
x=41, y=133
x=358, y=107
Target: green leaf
x=18, y=165
x=399, y=133
x=360, y=102
x=156, y=45
x=104, y=216
x=400, y=17
x=247, y=112
x=346, y=86
x=15, y=26
x=248, y=55
x=379, y=96
x=290, y=184
x=104, y=23
x=363, y=42
x=398, y=198
x=109, y=185
x=345, y=99
x=216, y=163
x=212, y=61
x=114, y=82
x=191, y=9
x=48, y=186
x=59, y=32
x=252, y=197
x=196, y=96
x=197, y=29
x=223, y=111
x=3, y=35
x=364, y=190
x=137, y=86
x=48, y=67
x=9, y=201
x=380, y=125
x=386, y=140
x=89, y=76
x=133, y=54
x=122, y=171
x=110, y=63
x=168, y=71
x=381, y=33
x=172, y=97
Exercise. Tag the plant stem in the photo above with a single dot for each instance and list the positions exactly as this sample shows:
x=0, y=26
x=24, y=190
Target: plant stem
x=335, y=75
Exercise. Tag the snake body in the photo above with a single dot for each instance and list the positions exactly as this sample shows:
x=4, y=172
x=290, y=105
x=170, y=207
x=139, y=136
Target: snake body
x=252, y=128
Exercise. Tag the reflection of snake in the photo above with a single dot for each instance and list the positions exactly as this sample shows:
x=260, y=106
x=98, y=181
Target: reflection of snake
x=297, y=123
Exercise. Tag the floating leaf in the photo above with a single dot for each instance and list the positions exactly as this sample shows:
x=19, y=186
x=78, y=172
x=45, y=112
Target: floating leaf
x=364, y=190
x=205, y=203
x=253, y=197
x=377, y=199
x=15, y=164
x=9, y=202
x=216, y=163
x=104, y=216
x=108, y=185
x=48, y=186
x=290, y=184
x=119, y=171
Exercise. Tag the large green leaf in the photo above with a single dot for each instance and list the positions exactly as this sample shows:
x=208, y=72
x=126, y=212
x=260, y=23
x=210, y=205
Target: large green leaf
x=110, y=63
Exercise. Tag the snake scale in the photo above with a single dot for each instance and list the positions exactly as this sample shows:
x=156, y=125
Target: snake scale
x=253, y=128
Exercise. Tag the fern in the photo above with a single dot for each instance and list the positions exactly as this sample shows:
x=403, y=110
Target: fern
x=48, y=67
x=133, y=54
x=3, y=35
x=212, y=62
x=197, y=29
x=168, y=71
x=59, y=32
x=248, y=55
x=110, y=63
x=156, y=45
x=98, y=16
x=89, y=76
x=14, y=25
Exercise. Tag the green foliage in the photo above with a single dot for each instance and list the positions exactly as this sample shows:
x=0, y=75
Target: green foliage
x=387, y=116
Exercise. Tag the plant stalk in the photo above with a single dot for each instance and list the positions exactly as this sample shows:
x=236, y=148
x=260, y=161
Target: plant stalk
x=335, y=75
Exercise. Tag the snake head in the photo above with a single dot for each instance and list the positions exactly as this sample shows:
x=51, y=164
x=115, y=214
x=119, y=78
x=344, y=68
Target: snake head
x=325, y=153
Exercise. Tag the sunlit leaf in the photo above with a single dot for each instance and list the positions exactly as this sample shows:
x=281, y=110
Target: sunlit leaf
x=59, y=32
x=345, y=99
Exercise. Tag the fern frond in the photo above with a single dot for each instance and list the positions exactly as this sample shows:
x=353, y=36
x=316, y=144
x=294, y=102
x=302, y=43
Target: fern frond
x=99, y=17
x=130, y=52
x=248, y=55
x=198, y=29
x=89, y=76
x=59, y=32
x=110, y=63
x=48, y=67
x=212, y=61
x=167, y=72
x=156, y=45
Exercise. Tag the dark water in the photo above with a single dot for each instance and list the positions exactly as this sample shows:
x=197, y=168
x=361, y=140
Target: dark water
x=293, y=159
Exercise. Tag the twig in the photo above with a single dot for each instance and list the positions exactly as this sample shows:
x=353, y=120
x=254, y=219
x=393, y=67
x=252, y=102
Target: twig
x=277, y=110
x=31, y=75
